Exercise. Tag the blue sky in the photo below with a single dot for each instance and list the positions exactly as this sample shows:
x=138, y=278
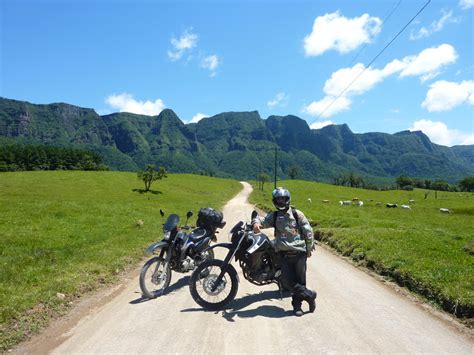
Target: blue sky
x=201, y=58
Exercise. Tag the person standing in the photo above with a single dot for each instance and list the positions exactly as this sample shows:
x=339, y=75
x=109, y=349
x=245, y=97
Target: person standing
x=294, y=242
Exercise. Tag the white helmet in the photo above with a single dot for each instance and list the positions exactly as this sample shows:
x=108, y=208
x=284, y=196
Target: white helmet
x=281, y=198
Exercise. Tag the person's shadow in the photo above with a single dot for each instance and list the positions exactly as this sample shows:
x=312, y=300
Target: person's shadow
x=237, y=307
x=184, y=281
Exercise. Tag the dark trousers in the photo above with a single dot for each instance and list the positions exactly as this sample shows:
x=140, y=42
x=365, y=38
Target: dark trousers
x=293, y=272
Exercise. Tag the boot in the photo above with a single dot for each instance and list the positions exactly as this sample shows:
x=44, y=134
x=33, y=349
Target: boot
x=311, y=299
x=308, y=296
x=297, y=311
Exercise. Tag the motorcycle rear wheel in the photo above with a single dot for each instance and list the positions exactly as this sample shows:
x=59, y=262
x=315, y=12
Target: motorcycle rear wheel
x=155, y=277
x=201, y=286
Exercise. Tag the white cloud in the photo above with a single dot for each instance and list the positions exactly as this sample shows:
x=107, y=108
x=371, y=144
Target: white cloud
x=280, y=99
x=126, y=103
x=435, y=26
x=322, y=108
x=334, y=31
x=320, y=124
x=439, y=133
x=211, y=62
x=198, y=117
x=466, y=4
x=427, y=64
x=185, y=43
x=445, y=95
x=340, y=79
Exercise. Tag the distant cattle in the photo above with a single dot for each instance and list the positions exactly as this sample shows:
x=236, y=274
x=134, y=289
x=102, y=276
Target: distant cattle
x=391, y=205
x=309, y=200
x=445, y=210
x=345, y=203
x=405, y=207
x=360, y=203
x=411, y=201
x=325, y=201
x=355, y=199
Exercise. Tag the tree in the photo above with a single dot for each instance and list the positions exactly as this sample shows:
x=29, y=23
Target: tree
x=262, y=178
x=293, y=171
x=150, y=174
x=467, y=184
x=440, y=185
x=403, y=181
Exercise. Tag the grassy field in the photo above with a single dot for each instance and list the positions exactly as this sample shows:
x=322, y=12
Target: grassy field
x=68, y=232
x=428, y=252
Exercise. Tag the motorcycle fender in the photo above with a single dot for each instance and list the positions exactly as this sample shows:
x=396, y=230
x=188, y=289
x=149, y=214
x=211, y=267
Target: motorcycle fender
x=155, y=246
x=223, y=245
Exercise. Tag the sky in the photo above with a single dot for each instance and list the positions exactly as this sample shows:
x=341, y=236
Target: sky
x=328, y=62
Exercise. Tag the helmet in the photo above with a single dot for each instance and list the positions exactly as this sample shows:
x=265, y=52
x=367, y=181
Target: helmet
x=281, y=198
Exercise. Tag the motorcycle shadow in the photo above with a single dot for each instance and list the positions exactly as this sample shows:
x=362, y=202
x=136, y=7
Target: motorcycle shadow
x=184, y=281
x=237, y=307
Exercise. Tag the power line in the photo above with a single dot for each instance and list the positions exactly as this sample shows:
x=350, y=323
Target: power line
x=384, y=21
x=373, y=60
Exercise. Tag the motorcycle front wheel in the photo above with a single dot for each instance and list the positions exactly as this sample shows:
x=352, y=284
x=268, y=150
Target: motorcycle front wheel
x=203, y=280
x=155, y=277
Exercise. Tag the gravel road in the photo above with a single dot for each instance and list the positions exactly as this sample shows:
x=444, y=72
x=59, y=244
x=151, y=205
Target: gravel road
x=355, y=313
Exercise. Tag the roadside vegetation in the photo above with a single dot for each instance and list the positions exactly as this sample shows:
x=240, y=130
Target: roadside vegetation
x=64, y=233
x=429, y=252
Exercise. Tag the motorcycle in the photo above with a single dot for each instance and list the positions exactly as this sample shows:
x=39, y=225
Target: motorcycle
x=178, y=251
x=214, y=283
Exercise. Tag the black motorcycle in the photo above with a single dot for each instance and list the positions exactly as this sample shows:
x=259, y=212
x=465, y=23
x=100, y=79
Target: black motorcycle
x=179, y=250
x=214, y=283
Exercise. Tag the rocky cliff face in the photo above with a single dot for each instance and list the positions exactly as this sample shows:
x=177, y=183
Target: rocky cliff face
x=233, y=144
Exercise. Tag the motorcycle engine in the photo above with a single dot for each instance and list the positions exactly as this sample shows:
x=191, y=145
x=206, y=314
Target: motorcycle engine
x=258, y=268
x=187, y=264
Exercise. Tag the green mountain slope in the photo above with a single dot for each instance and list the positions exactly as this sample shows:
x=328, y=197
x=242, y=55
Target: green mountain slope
x=234, y=144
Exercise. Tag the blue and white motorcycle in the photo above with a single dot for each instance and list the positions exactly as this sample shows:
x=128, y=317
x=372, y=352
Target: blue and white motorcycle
x=179, y=250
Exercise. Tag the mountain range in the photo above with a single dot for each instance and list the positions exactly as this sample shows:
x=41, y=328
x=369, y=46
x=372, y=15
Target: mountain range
x=233, y=144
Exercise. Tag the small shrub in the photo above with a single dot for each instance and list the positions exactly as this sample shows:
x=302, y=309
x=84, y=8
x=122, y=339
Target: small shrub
x=469, y=247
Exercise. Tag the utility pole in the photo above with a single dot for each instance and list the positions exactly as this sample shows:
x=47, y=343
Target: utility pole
x=275, y=167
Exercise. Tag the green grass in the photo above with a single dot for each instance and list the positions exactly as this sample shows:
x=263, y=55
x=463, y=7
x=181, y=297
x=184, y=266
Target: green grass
x=68, y=232
x=428, y=252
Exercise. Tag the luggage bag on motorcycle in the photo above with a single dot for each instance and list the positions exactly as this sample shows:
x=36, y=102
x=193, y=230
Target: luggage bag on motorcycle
x=210, y=219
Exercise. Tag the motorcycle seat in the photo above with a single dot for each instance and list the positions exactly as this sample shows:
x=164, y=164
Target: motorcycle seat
x=198, y=234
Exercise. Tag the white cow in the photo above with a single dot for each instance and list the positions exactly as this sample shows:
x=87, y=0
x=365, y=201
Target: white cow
x=309, y=200
x=360, y=203
x=345, y=203
x=445, y=210
x=406, y=207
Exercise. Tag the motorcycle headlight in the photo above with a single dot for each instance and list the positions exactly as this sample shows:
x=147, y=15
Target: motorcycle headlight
x=166, y=236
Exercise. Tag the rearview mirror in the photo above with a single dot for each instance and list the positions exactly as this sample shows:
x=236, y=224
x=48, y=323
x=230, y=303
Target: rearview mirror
x=162, y=213
x=189, y=214
x=254, y=214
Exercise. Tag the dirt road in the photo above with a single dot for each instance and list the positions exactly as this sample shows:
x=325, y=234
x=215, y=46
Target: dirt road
x=355, y=313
